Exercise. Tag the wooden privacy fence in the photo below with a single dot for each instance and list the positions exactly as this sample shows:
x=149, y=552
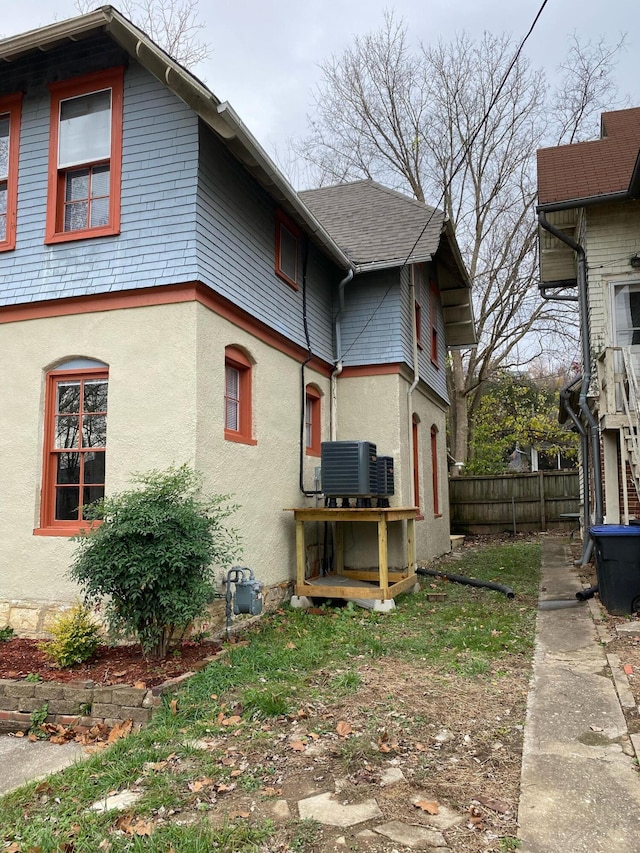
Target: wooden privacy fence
x=519, y=503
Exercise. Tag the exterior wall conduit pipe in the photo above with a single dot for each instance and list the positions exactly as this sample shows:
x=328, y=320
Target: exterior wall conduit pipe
x=412, y=387
x=333, y=426
x=586, y=366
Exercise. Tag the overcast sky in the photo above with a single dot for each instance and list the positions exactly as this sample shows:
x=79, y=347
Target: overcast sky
x=266, y=55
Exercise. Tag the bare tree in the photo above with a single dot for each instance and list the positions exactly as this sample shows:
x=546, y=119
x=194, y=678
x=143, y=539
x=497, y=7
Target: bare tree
x=172, y=24
x=435, y=121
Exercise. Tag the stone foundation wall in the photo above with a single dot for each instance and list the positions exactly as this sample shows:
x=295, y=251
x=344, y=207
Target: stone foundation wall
x=33, y=619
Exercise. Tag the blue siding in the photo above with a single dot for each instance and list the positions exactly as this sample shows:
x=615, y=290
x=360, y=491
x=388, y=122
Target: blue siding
x=159, y=176
x=235, y=251
x=381, y=340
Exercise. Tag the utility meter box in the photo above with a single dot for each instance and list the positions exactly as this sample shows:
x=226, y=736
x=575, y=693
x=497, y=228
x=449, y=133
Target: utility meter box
x=248, y=597
x=349, y=469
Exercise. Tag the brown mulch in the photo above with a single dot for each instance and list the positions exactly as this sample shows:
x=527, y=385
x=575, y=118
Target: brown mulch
x=20, y=657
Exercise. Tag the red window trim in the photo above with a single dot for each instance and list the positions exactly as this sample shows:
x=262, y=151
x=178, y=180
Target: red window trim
x=49, y=526
x=418, y=322
x=313, y=396
x=234, y=357
x=416, y=465
x=434, y=472
x=112, y=78
x=282, y=220
x=12, y=105
x=434, y=298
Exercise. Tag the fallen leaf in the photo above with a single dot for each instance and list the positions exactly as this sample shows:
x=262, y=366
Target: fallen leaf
x=314, y=735
x=214, y=695
x=221, y=788
x=199, y=784
x=19, y=734
x=120, y=730
x=174, y=706
x=239, y=814
x=140, y=685
x=428, y=806
x=628, y=669
x=291, y=645
x=134, y=827
x=231, y=721
x=271, y=792
x=297, y=746
x=344, y=729
x=495, y=805
x=235, y=773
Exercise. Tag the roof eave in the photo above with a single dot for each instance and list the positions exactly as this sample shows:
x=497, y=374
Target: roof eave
x=569, y=204
x=220, y=117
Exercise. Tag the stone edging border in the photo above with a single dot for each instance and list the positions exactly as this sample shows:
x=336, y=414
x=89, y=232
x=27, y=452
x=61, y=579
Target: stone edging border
x=84, y=703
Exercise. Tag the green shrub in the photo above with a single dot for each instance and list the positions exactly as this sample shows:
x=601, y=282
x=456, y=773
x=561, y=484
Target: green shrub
x=6, y=633
x=75, y=637
x=151, y=561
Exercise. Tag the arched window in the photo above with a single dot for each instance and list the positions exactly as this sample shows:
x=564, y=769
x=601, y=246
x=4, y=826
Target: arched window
x=434, y=470
x=416, y=461
x=237, y=396
x=75, y=443
x=313, y=420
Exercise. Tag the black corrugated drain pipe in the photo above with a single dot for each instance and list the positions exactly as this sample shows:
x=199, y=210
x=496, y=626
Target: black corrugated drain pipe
x=499, y=587
x=584, y=594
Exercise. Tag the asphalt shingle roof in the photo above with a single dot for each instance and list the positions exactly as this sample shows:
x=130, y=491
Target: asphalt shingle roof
x=585, y=170
x=375, y=225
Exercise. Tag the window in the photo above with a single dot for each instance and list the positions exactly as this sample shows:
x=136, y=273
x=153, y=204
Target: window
x=434, y=471
x=85, y=153
x=418, y=321
x=627, y=315
x=287, y=236
x=237, y=396
x=75, y=444
x=10, y=109
x=434, y=299
x=416, y=462
x=312, y=421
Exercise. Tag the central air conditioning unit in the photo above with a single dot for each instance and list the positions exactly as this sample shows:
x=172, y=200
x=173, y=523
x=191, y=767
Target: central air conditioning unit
x=349, y=469
x=385, y=476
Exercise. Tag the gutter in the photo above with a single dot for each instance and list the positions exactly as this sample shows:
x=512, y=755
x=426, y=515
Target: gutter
x=594, y=430
x=565, y=403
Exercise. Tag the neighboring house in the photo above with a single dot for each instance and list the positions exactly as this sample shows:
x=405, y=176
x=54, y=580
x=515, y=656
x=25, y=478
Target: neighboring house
x=590, y=251
x=166, y=297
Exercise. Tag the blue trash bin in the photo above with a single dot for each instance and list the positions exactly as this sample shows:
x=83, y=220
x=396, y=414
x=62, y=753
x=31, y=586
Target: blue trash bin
x=617, y=550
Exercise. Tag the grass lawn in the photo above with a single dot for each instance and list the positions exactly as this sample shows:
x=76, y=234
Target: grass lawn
x=434, y=689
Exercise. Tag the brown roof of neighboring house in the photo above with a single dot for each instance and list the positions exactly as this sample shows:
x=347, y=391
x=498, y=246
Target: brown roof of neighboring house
x=586, y=170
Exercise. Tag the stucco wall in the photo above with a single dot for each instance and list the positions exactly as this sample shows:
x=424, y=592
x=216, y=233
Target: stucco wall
x=374, y=408
x=166, y=380
x=151, y=422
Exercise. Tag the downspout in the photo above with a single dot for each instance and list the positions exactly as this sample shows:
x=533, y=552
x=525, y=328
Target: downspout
x=413, y=386
x=333, y=422
x=565, y=398
x=594, y=431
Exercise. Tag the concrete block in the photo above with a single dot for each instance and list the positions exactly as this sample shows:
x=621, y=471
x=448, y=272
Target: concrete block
x=63, y=706
x=102, y=695
x=24, y=619
x=48, y=690
x=130, y=696
x=20, y=689
x=78, y=695
x=138, y=715
x=29, y=704
x=380, y=606
x=300, y=602
x=98, y=709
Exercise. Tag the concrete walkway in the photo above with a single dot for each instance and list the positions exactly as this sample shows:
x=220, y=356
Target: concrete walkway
x=580, y=787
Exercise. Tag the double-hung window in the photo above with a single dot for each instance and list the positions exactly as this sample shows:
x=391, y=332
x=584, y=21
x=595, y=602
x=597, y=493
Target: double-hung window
x=10, y=109
x=312, y=419
x=85, y=153
x=237, y=396
x=287, y=240
x=434, y=301
x=75, y=445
